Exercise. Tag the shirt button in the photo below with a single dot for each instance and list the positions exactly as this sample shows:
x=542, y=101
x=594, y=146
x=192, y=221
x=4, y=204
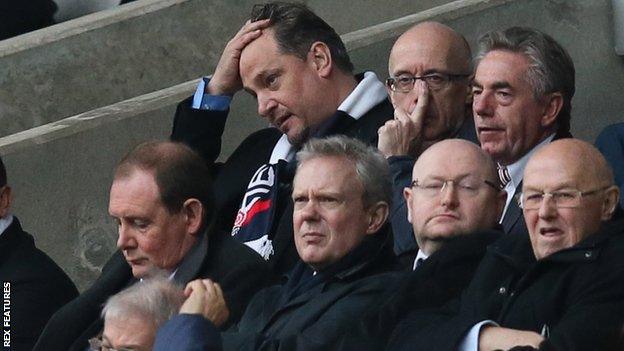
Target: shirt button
x=502, y=290
x=588, y=254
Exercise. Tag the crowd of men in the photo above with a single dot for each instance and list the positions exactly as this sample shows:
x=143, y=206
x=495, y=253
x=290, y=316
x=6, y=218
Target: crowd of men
x=447, y=209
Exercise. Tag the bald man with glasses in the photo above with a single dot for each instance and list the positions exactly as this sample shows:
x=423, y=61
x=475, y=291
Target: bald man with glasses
x=560, y=287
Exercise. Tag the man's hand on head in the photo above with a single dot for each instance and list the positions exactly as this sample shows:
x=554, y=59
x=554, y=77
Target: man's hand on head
x=403, y=135
x=498, y=338
x=206, y=298
x=226, y=79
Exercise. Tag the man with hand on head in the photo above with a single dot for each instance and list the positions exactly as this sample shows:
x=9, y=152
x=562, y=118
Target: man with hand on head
x=162, y=201
x=429, y=86
x=560, y=287
x=298, y=69
x=341, y=194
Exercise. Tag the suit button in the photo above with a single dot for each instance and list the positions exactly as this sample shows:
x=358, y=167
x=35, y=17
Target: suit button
x=502, y=290
x=588, y=254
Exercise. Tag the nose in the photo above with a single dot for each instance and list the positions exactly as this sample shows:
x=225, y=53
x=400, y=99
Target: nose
x=309, y=212
x=450, y=198
x=126, y=239
x=265, y=105
x=481, y=105
x=547, y=209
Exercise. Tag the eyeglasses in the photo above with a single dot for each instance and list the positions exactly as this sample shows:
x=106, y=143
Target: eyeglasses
x=531, y=200
x=96, y=344
x=464, y=187
x=435, y=81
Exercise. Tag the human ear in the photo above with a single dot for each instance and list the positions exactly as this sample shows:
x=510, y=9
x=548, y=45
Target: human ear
x=378, y=213
x=553, y=105
x=5, y=200
x=193, y=211
x=612, y=197
x=407, y=195
x=321, y=59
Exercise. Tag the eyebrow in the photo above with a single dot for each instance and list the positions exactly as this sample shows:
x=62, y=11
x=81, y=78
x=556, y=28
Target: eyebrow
x=427, y=72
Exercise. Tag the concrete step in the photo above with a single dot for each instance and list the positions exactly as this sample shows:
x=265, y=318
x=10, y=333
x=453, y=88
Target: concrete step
x=61, y=173
x=137, y=48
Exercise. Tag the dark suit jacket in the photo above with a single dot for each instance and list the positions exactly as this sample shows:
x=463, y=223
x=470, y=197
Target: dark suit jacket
x=439, y=279
x=239, y=271
x=307, y=313
x=37, y=287
x=202, y=130
x=576, y=292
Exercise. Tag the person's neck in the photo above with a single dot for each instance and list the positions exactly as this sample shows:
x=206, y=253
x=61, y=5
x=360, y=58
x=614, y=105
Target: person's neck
x=345, y=85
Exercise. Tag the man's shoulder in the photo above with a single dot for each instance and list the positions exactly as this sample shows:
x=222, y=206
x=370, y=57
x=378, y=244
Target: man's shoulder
x=226, y=255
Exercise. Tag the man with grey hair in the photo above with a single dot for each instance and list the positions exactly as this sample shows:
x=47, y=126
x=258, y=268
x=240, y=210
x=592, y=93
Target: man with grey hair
x=341, y=195
x=522, y=92
x=132, y=316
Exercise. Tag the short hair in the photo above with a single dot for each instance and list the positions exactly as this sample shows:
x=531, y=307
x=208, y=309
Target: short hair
x=296, y=28
x=370, y=165
x=3, y=175
x=551, y=68
x=155, y=299
x=180, y=173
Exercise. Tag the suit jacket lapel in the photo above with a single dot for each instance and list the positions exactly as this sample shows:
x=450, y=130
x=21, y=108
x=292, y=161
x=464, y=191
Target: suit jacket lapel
x=193, y=261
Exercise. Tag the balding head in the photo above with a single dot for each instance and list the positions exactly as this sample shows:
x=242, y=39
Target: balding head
x=434, y=42
x=433, y=48
x=580, y=195
x=439, y=209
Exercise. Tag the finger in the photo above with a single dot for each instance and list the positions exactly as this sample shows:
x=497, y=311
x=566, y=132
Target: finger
x=210, y=288
x=252, y=26
x=192, y=286
x=401, y=115
x=418, y=115
x=219, y=291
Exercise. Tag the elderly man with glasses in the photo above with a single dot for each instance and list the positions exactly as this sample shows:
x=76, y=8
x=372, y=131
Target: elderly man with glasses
x=558, y=288
x=429, y=86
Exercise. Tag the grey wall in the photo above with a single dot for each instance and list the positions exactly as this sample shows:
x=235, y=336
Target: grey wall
x=61, y=187
x=121, y=53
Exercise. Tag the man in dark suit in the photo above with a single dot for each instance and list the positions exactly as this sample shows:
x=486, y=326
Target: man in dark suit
x=429, y=86
x=341, y=195
x=522, y=92
x=33, y=286
x=558, y=288
x=161, y=198
x=297, y=68
x=454, y=204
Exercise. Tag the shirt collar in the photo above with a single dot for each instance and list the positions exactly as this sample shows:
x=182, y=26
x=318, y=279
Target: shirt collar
x=516, y=169
x=369, y=92
x=5, y=222
x=419, y=255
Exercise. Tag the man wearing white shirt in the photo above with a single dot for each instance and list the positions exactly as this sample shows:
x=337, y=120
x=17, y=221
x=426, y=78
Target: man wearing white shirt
x=557, y=288
x=297, y=68
x=522, y=92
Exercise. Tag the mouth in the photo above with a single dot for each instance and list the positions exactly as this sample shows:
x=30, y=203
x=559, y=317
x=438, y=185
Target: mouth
x=447, y=216
x=489, y=130
x=279, y=122
x=313, y=237
x=551, y=232
x=136, y=261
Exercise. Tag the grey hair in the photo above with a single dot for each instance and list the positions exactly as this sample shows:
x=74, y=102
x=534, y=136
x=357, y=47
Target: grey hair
x=371, y=166
x=156, y=299
x=551, y=68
